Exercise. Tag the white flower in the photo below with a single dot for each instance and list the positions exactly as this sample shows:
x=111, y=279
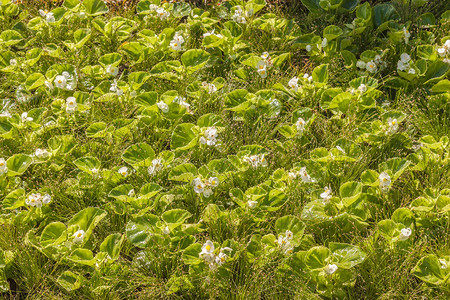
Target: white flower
x=404, y=234
x=330, y=269
x=181, y=101
x=362, y=88
x=392, y=125
x=385, y=181
x=78, y=236
x=256, y=160
x=221, y=258
x=71, y=105
x=46, y=199
x=210, y=87
x=360, y=64
x=123, y=171
x=207, y=252
x=340, y=149
x=212, y=181
x=25, y=117
x=304, y=175
x=300, y=124
x=3, y=167
x=406, y=34
x=42, y=153
x=371, y=67
x=411, y=71
x=13, y=62
x=324, y=42
x=199, y=186
x=443, y=263
x=265, y=55
x=49, y=17
x=326, y=195
x=308, y=48
x=212, y=33
x=293, y=84
x=207, y=192
x=156, y=166
x=115, y=89
x=176, y=42
x=112, y=70
x=60, y=82
x=153, y=7
x=131, y=193
x=405, y=58
x=441, y=51
x=238, y=15
x=163, y=106
x=261, y=67
x=292, y=175
x=49, y=85
x=252, y=204
x=284, y=242
x=162, y=13
x=166, y=230
x=209, y=136
x=34, y=200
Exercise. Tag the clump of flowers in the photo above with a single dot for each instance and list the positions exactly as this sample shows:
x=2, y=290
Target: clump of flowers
x=123, y=171
x=293, y=83
x=112, y=70
x=42, y=153
x=157, y=165
x=406, y=35
x=326, y=195
x=303, y=174
x=37, y=200
x=210, y=87
x=177, y=42
x=205, y=187
x=284, y=242
x=445, y=49
x=71, y=105
x=256, y=161
x=372, y=66
x=49, y=17
x=330, y=269
x=65, y=81
x=385, y=181
x=25, y=118
x=3, y=166
x=404, y=64
x=300, y=124
x=163, y=106
x=264, y=64
x=208, y=255
x=392, y=126
x=160, y=12
x=115, y=89
x=182, y=101
x=209, y=136
x=238, y=16
x=212, y=32
x=307, y=77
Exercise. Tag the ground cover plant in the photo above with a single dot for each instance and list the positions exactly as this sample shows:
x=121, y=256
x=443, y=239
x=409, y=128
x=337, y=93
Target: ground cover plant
x=224, y=149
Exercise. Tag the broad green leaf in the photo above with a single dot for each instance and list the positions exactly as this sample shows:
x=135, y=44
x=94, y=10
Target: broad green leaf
x=315, y=258
x=70, y=281
x=112, y=245
x=90, y=165
x=139, y=155
x=14, y=199
x=184, y=173
x=183, y=137
x=87, y=219
x=18, y=164
x=52, y=234
x=346, y=256
x=194, y=59
x=95, y=7
x=429, y=269
x=176, y=216
x=190, y=254
x=141, y=231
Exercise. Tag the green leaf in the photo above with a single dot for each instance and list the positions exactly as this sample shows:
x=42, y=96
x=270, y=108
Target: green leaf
x=14, y=199
x=89, y=164
x=443, y=86
x=141, y=231
x=346, y=256
x=190, y=254
x=95, y=7
x=403, y=216
x=184, y=173
x=87, y=219
x=320, y=74
x=176, y=216
x=121, y=192
x=112, y=245
x=110, y=59
x=34, y=81
x=10, y=37
x=96, y=130
x=429, y=270
x=52, y=234
x=332, y=32
x=383, y=13
x=183, y=137
x=315, y=258
x=18, y=164
x=194, y=59
x=70, y=281
x=293, y=224
x=350, y=191
x=139, y=155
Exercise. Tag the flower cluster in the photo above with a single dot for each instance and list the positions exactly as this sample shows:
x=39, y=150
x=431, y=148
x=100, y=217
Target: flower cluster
x=37, y=200
x=284, y=242
x=160, y=11
x=157, y=165
x=209, y=136
x=163, y=106
x=115, y=89
x=208, y=255
x=65, y=81
x=405, y=233
x=385, y=181
x=264, y=64
x=177, y=42
x=326, y=195
x=445, y=49
x=78, y=236
x=293, y=83
x=392, y=126
x=212, y=33
x=305, y=177
x=404, y=64
x=205, y=187
x=256, y=160
x=49, y=17
x=210, y=87
x=182, y=101
x=238, y=16
x=42, y=153
x=71, y=105
x=3, y=166
x=112, y=70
